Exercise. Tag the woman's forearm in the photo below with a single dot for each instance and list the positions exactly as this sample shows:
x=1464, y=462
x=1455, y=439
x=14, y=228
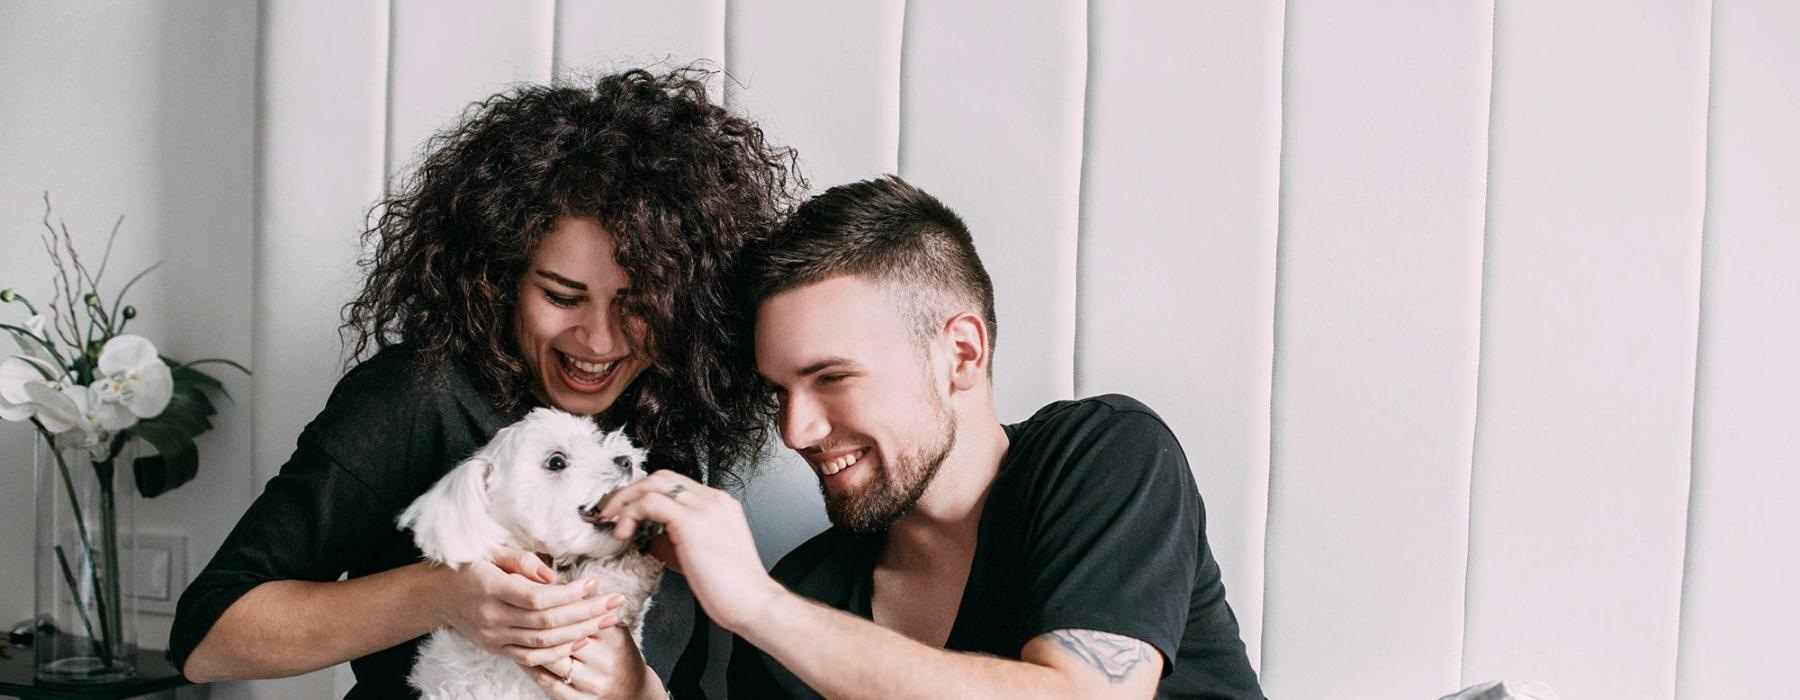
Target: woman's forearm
x=286, y=628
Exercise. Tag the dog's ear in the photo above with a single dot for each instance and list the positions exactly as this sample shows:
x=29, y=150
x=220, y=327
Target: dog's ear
x=451, y=523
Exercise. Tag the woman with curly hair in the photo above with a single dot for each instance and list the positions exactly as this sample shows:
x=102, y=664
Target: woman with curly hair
x=572, y=247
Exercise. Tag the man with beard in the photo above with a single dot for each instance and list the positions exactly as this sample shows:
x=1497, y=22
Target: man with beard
x=1064, y=556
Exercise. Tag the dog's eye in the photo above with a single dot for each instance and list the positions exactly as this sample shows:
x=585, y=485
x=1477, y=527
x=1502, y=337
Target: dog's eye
x=557, y=462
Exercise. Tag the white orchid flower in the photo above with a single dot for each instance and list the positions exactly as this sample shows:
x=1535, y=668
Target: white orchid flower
x=132, y=383
x=38, y=326
x=15, y=402
x=61, y=407
x=70, y=414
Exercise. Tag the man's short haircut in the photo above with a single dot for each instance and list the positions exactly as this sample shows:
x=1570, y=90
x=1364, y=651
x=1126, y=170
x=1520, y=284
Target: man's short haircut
x=889, y=232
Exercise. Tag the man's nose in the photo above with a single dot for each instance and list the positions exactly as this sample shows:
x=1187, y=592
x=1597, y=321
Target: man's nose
x=803, y=424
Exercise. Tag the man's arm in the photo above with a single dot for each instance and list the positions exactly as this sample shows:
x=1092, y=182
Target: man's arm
x=841, y=655
x=844, y=656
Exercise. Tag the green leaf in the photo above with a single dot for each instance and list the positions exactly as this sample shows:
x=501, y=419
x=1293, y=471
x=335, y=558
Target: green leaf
x=176, y=461
x=187, y=414
x=172, y=432
x=219, y=360
x=186, y=375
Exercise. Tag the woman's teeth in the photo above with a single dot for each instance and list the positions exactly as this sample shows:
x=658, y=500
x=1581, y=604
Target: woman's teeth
x=591, y=371
x=590, y=367
x=841, y=463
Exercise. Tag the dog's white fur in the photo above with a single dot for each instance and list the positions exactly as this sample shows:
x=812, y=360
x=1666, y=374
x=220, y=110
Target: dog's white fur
x=507, y=495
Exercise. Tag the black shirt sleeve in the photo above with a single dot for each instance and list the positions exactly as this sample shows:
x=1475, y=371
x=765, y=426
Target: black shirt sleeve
x=1115, y=534
x=306, y=525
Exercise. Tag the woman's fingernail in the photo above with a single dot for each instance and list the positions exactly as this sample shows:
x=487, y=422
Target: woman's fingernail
x=609, y=620
x=588, y=588
x=615, y=601
x=579, y=643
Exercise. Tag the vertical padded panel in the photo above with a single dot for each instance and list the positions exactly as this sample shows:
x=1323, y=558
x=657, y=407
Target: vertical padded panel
x=610, y=35
x=843, y=116
x=991, y=98
x=1377, y=337
x=447, y=54
x=1177, y=275
x=1591, y=296
x=320, y=168
x=1743, y=551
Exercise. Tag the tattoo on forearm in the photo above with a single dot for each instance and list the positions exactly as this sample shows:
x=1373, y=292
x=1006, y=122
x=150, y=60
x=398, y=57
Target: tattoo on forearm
x=1112, y=654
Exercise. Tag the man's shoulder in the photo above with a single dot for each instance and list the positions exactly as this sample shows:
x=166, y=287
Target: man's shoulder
x=1100, y=406
x=1080, y=419
x=826, y=559
x=1084, y=448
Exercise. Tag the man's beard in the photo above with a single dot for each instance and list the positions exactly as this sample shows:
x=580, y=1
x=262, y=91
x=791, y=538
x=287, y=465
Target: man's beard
x=894, y=488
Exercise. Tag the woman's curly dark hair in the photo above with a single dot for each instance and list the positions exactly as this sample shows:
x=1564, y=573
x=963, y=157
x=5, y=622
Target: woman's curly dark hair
x=682, y=185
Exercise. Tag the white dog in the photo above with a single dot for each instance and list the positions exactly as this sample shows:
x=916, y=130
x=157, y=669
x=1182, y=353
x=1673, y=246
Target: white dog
x=536, y=487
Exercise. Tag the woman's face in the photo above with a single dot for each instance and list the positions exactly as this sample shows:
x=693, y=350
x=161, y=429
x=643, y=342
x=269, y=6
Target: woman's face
x=579, y=351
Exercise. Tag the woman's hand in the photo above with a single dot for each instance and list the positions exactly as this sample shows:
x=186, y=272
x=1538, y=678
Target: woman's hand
x=508, y=606
x=609, y=668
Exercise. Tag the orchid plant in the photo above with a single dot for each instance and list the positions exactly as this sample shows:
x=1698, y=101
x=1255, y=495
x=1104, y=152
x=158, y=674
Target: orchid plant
x=88, y=387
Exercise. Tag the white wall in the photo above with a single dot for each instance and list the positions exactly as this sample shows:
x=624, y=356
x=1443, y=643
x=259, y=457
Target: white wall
x=146, y=110
x=1477, y=320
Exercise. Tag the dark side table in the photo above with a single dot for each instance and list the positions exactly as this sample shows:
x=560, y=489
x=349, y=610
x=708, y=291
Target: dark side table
x=156, y=678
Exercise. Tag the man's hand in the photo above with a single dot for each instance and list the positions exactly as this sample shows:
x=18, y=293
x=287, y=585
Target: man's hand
x=609, y=668
x=707, y=540
x=508, y=607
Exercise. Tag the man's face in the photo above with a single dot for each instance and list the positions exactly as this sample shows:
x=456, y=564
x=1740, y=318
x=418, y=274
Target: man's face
x=861, y=401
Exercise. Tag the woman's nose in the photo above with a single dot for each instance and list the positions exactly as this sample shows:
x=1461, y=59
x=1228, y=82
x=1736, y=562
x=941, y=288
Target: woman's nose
x=601, y=331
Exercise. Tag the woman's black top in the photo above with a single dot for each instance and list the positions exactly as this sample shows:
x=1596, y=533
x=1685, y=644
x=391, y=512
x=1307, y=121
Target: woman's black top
x=392, y=427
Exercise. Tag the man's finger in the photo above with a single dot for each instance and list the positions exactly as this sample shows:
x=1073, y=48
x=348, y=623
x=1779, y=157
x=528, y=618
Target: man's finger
x=655, y=506
x=657, y=482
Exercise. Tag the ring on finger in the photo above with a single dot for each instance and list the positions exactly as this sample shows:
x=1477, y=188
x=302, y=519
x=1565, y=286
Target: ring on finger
x=674, y=492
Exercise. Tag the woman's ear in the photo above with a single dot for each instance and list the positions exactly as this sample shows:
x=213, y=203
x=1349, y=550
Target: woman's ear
x=967, y=336
x=451, y=523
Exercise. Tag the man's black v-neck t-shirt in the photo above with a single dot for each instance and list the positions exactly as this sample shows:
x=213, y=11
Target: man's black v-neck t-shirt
x=1093, y=522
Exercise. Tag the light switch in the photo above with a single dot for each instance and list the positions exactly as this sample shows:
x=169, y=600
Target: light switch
x=152, y=574
x=160, y=571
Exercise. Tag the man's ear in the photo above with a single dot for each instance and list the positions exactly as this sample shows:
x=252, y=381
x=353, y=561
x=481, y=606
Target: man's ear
x=967, y=336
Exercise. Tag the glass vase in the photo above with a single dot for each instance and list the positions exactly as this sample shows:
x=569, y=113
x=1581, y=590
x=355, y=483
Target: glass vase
x=86, y=533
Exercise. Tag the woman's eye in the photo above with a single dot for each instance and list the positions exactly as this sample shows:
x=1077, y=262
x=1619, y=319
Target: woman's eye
x=560, y=300
x=557, y=462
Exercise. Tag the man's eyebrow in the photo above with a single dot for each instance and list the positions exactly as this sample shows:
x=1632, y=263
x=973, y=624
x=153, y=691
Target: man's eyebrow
x=559, y=279
x=824, y=364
